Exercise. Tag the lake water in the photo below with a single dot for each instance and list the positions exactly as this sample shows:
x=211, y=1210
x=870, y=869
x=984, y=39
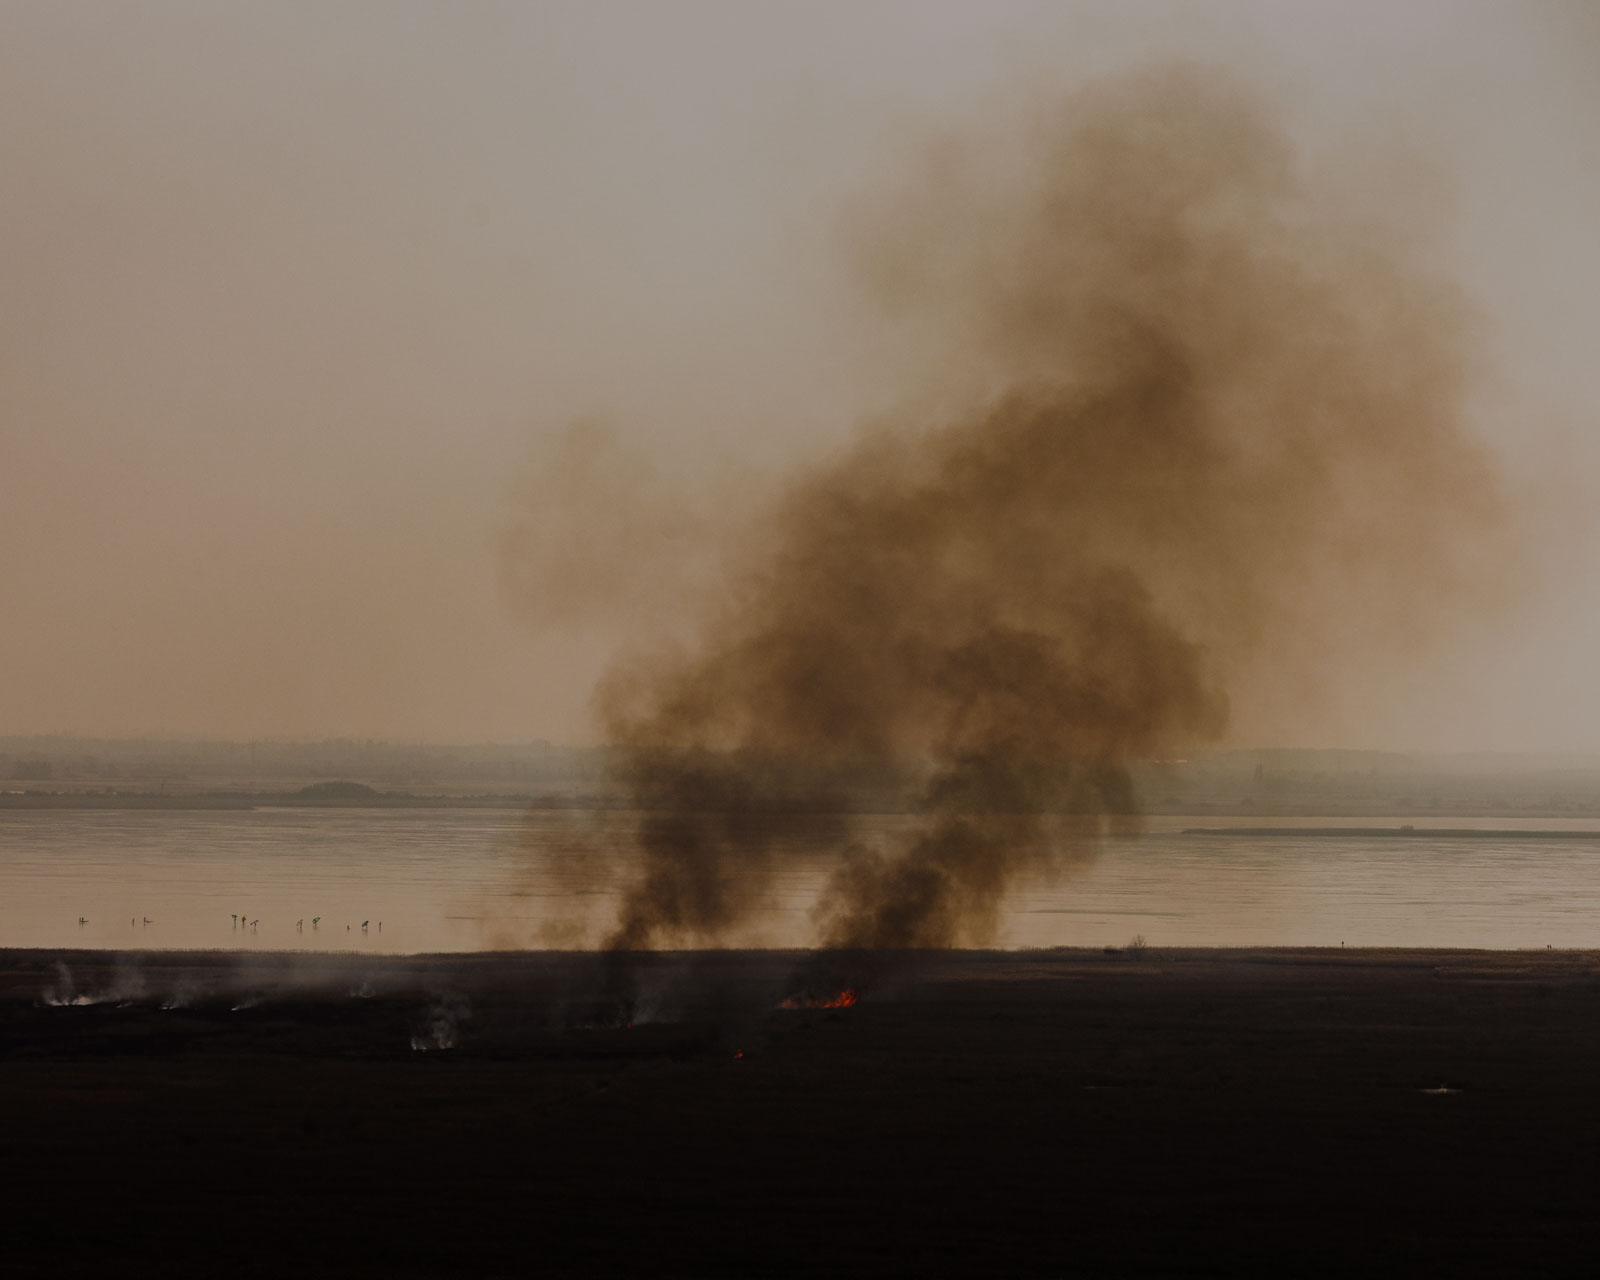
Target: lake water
x=476, y=879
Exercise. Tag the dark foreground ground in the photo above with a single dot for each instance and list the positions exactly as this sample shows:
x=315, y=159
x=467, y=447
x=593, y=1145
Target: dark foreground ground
x=1046, y=1113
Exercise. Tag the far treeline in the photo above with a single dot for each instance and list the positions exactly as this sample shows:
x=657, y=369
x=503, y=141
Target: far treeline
x=56, y=772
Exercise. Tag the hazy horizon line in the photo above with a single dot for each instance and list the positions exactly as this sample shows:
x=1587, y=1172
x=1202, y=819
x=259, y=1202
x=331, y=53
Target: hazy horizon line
x=554, y=744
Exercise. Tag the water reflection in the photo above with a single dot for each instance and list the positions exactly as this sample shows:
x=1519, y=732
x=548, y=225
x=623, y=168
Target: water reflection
x=472, y=879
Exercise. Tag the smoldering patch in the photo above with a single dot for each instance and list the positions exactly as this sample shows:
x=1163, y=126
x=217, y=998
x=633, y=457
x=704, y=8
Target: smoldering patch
x=440, y=1027
x=185, y=994
x=126, y=987
x=60, y=992
x=844, y=998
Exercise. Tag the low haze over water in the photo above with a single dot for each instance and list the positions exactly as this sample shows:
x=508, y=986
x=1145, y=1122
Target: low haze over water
x=481, y=879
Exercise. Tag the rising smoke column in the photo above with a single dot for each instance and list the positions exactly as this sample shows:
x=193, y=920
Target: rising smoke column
x=1218, y=417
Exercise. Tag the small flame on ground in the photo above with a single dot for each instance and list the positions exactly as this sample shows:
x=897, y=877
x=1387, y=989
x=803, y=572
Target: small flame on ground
x=843, y=1000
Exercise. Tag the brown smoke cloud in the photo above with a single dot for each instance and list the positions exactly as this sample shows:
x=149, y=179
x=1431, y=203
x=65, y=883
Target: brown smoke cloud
x=1219, y=425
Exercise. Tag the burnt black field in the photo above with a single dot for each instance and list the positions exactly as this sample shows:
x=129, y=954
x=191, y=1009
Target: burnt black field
x=1044, y=1113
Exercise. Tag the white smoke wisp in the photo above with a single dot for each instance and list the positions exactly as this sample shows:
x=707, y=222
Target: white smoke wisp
x=61, y=992
x=185, y=992
x=127, y=987
x=441, y=1027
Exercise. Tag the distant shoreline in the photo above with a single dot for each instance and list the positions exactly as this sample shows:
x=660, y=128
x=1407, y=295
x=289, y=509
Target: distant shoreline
x=315, y=797
x=246, y=801
x=279, y=800
x=1325, y=786
x=1396, y=833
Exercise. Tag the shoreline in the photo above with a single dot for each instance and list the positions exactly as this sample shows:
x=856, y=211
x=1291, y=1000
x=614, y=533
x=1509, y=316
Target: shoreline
x=1152, y=951
x=39, y=801
x=1407, y=832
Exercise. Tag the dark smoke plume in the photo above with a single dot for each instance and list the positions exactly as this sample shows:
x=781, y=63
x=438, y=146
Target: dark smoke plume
x=1219, y=420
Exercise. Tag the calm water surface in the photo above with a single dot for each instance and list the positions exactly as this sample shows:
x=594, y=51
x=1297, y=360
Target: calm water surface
x=475, y=879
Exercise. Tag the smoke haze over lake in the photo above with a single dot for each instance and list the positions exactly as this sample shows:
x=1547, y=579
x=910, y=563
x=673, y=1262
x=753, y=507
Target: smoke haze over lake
x=294, y=296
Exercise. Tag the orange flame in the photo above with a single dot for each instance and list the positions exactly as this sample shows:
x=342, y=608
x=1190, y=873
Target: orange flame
x=843, y=1000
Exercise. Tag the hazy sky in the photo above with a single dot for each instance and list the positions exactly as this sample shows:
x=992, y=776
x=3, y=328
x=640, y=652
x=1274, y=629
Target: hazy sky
x=291, y=295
